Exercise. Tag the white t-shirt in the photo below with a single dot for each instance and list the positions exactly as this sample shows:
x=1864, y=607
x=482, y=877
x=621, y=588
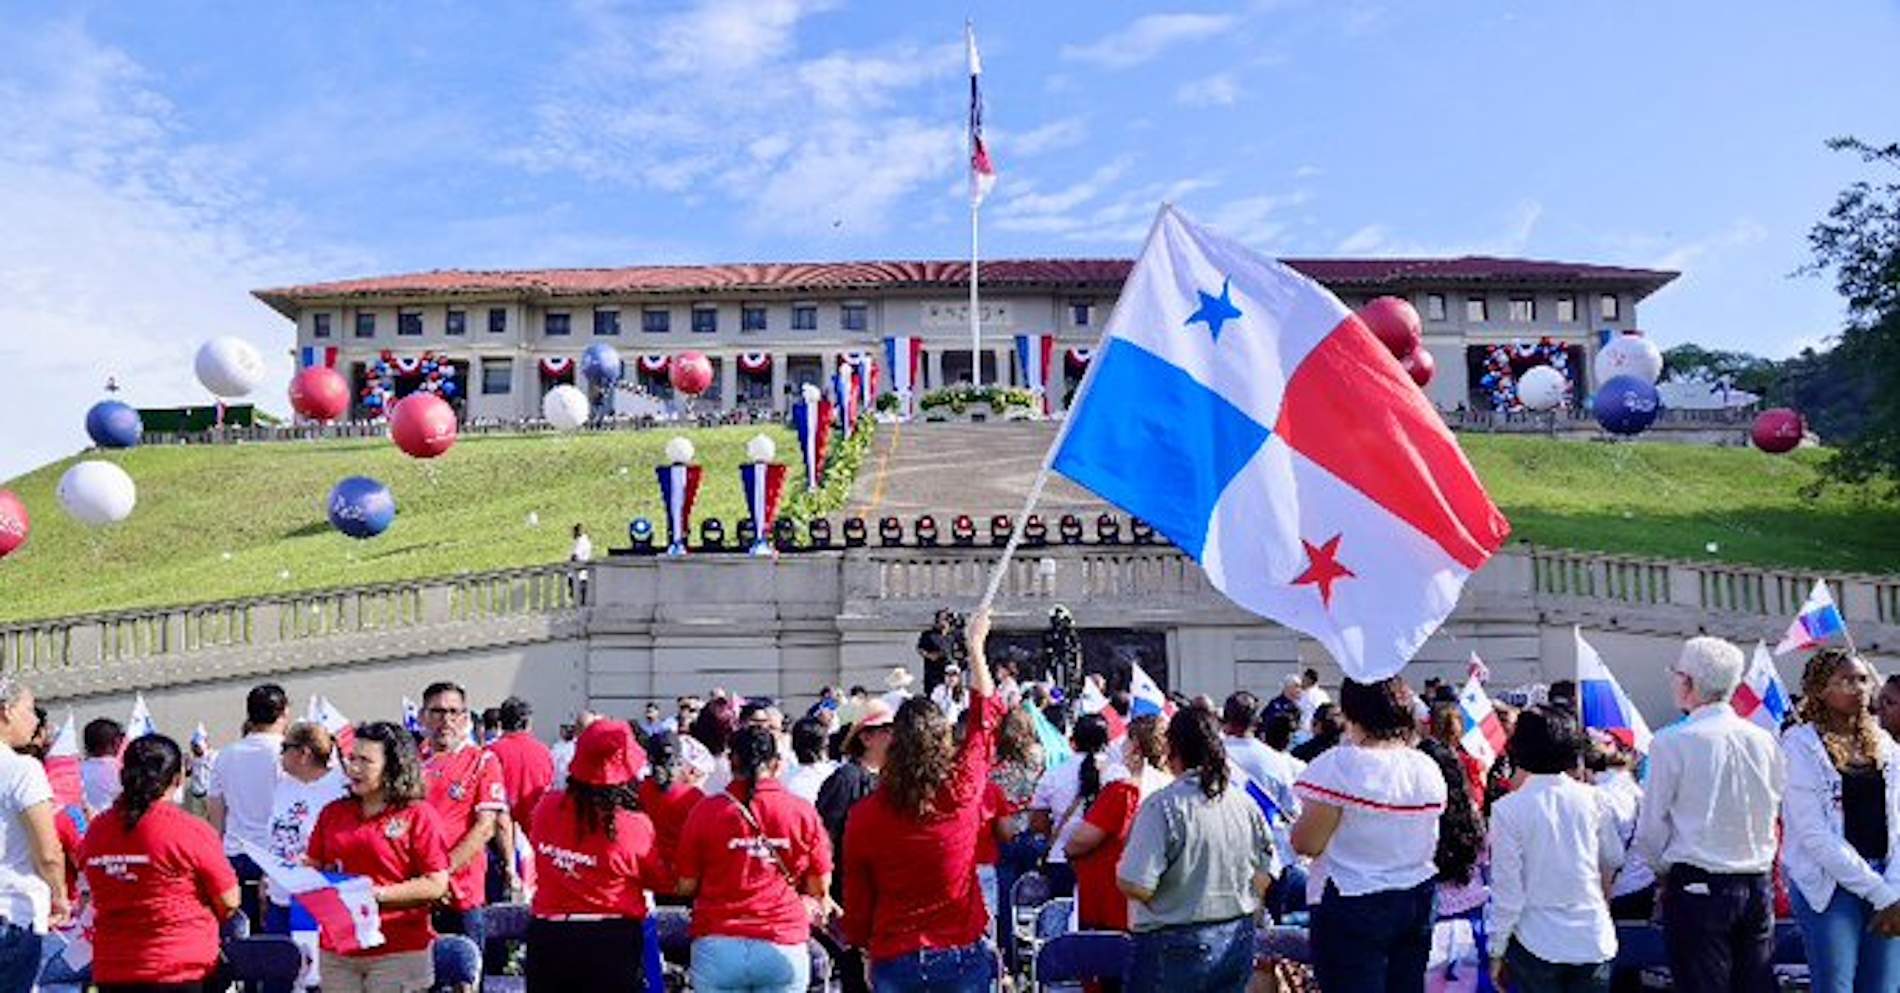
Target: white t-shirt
x=293, y=812
x=24, y=899
x=563, y=754
x=99, y=782
x=1389, y=800
x=1309, y=702
x=805, y=778
x=583, y=550
x=1055, y=792
x=245, y=777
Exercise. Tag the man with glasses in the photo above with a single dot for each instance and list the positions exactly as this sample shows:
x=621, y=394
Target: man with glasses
x=466, y=789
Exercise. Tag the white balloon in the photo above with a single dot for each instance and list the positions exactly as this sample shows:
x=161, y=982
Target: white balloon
x=97, y=493
x=1540, y=388
x=679, y=450
x=229, y=367
x=1629, y=355
x=761, y=448
x=565, y=407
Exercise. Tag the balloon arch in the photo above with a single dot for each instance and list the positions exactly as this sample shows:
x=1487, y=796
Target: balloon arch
x=1503, y=364
x=436, y=374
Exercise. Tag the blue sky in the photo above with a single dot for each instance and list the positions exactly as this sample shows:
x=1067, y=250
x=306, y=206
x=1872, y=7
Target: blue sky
x=158, y=161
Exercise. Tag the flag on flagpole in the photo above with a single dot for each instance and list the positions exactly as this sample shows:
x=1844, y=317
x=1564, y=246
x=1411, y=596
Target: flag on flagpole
x=1476, y=669
x=411, y=716
x=343, y=907
x=1247, y=414
x=1762, y=698
x=1145, y=698
x=982, y=171
x=1605, y=706
x=140, y=723
x=1818, y=621
x=1484, y=735
x=324, y=714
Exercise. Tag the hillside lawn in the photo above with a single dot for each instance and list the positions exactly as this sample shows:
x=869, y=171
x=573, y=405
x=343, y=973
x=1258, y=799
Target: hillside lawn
x=237, y=521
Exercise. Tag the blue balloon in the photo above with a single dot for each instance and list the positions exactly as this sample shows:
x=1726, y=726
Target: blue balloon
x=114, y=425
x=449, y=389
x=601, y=364
x=361, y=507
x=1626, y=405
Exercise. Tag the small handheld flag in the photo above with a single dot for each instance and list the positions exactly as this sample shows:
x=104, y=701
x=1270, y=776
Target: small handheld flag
x=1145, y=698
x=411, y=716
x=200, y=739
x=1484, y=736
x=343, y=908
x=1762, y=698
x=140, y=723
x=1818, y=621
x=1605, y=706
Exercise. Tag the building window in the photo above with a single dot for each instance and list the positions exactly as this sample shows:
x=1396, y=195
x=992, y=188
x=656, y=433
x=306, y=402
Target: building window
x=1566, y=309
x=320, y=325
x=366, y=325
x=606, y=322
x=705, y=320
x=556, y=325
x=1434, y=306
x=1475, y=310
x=1607, y=308
x=854, y=317
x=497, y=377
x=409, y=323
x=1080, y=312
x=656, y=321
x=804, y=317
x=1524, y=309
x=457, y=322
x=751, y=318
x=497, y=320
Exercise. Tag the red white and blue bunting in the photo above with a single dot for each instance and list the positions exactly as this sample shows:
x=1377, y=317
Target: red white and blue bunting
x=654, y=364
x=755, y=363
x=1033, y=352
x=762, y=483
x=811, y=420
x=902, y=353
x=1078, y=359
x=679, y=489
x=557, y=366
x=437, y=375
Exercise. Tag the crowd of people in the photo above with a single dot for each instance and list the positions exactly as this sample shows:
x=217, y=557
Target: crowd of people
x=891, y=829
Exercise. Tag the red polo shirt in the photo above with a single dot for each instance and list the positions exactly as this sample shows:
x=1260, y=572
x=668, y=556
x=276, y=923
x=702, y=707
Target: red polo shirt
x=591, y=873
x=669, y=809
x=395, y=846
x=742, y=892
x=527, y=770
x=462, y=784
x=154, y=888
x=910, y=883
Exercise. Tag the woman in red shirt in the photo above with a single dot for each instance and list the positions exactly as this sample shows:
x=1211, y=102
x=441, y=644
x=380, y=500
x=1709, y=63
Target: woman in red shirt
x=160, y=882
x=1096, y=846
x=911, y=896
x=594, y=861
x=385, y=831
x=670, y=791
x=758, y=861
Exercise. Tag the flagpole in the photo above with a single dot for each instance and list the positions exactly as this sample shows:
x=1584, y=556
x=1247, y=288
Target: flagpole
x=976, y=327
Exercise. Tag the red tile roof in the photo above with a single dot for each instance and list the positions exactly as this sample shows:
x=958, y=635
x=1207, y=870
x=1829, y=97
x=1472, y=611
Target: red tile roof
x=843, y=276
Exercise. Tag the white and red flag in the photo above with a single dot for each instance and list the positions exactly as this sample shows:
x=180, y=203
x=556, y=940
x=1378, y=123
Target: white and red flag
x=982, y=172
x=1484, y=735
x=1762, y=698
x=324, y=714
x=342, y=908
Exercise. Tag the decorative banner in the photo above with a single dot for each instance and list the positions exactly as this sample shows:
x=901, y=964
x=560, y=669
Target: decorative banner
x=811, y=419
x=558, y=366
x=1033, y=352
x=866, y=371
x=408, y=368
x=755, y=363
x=312, y=355
x=844, y=390
x=679, y=488
x=654, y=365
x=762, y=482
x=851, y=358
x=902, y=355
x=1078, y=359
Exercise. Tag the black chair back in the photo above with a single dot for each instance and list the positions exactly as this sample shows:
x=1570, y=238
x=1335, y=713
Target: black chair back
x=265, y=958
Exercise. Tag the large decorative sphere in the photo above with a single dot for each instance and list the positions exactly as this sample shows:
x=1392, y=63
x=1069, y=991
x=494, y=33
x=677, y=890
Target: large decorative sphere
x=1626, y=405
x=15, y=523
x=97, y=493
x=1395, y=323
x=1778, y=430
x=810, y=393
x=1540, y=388
x=601, y=364
x=761, y=448
x=112, y=424
x=361, y=507
x=565, y=407
x=229, y=367
x=320, y=393
x=691, y=373
x=1420, y=365
x=1629, y=355
x=423, y=425
x=679, y=450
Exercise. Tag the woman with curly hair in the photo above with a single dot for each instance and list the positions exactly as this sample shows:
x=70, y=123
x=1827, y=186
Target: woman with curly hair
x=912, y=900
x=1460, y=835
x=1841, y=823
x=384, y=830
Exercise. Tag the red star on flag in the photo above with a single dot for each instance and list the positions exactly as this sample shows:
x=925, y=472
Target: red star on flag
x=1323, y=568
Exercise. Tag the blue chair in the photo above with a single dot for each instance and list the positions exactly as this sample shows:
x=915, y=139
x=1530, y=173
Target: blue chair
x=1052, y=919
x=676, y=936
x=266, y=958
x=1083, y=956
x=496, y=923
x=458, y=962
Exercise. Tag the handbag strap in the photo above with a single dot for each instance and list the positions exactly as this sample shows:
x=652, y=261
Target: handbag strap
x=765, y=841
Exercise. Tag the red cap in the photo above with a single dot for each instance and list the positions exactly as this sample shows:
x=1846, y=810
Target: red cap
x=606, y=755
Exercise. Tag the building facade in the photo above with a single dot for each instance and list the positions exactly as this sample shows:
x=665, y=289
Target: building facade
x=505, y=337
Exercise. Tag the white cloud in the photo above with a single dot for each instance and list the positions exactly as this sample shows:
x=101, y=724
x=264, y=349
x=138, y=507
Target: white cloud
x=1513, y=237
x=1067, y=132
x=1147, y=37
x=1029, y=204
x=1258, y=220
x=1218, y=90
x=1364, y=241
x=1308, y=172
x=1739, y=234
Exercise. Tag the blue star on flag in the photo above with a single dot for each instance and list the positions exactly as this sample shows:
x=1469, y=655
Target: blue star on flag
x=1215, y=310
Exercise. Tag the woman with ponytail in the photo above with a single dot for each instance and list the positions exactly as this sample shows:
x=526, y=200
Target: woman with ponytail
x=159, y=879
x=1196, y=865
x=1065, y=794
x=1841, y=823
x=1095, y=849
x=757, y=861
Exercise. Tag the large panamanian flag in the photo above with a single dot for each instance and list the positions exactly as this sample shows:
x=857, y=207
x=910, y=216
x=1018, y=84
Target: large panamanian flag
x=1245, y=412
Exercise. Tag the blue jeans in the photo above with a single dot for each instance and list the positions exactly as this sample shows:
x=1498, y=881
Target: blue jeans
x=1530, y=974
x=747, y=965
x=969, y=969
x=1373, y=943
x=19, y=958
x=1843, y=956
x=1208, y=957
x=249, y=875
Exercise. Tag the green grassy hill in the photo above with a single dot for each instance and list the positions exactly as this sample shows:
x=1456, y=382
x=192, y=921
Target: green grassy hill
x=221, y=522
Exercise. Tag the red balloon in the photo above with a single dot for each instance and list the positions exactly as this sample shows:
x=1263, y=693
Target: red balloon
x=15, y=525
x=1778, y=430
x=423, y=425
x=691, y=373
x=1420, y=366
x=320, y=393
x=1395, y=323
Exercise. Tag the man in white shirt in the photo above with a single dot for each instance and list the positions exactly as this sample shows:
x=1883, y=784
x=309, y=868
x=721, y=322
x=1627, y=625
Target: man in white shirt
x=1275, y=774
x=99, y=773
x=243, y=785
x=1310, y=699
x=581, y=554
x=1707, y=826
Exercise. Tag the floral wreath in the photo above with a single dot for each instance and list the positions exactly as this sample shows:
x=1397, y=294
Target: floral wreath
x=379, y=380
x=1503, y=364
